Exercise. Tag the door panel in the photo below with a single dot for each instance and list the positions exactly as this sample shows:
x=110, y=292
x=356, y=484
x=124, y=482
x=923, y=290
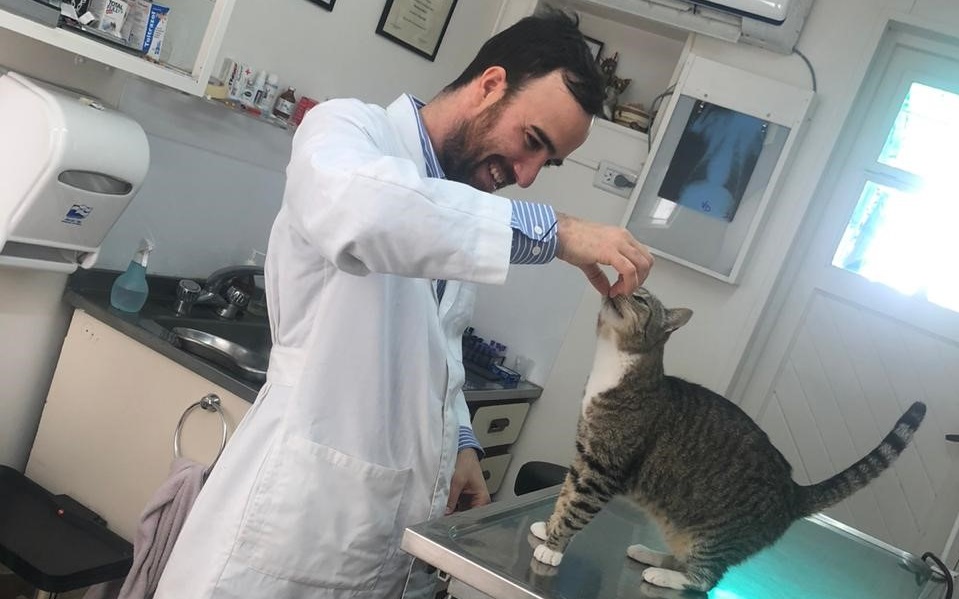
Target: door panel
x=848, y=376
x=846, y=356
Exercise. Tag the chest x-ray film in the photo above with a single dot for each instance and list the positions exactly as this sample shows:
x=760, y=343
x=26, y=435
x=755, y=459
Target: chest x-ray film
x=706, y=183
x=714, y=160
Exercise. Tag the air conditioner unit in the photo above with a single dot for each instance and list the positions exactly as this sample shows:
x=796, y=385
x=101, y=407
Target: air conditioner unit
x=771, y=24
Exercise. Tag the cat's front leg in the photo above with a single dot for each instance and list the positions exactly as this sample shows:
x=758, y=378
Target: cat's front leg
x=583, y=495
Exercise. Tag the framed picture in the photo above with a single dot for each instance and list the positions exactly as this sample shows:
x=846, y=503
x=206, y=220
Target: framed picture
x=418, y=25
x=714, y=166
x=595, y=46
x=327, y=4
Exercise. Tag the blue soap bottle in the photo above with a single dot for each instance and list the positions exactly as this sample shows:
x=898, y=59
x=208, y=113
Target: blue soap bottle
x=130, y=290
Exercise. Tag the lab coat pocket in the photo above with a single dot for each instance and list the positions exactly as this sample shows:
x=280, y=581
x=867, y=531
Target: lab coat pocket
x=322, y=517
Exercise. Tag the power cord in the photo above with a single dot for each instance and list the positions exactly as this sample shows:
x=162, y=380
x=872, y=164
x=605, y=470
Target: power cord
x=942, y=572
x=653, y=109
x=622, y=182
x=812, y=71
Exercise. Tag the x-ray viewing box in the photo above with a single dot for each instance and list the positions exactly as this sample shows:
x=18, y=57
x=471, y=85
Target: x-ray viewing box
x=69, y=166
x=719, y=151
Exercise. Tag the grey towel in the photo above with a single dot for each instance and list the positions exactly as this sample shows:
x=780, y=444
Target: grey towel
x=159, y=527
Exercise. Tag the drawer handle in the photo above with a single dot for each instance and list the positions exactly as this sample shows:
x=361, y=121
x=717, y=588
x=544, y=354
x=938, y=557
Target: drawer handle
x=487, y=474
x=498, y=425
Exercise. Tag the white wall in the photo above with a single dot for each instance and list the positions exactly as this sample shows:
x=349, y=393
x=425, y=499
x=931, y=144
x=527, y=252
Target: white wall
x=338, y=54
x=839, y=38
x=214, y=185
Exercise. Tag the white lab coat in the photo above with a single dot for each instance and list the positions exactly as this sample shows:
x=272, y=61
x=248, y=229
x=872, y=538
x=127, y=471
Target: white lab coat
x=354, y=435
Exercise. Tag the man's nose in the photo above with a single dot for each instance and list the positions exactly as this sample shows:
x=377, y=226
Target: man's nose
x=526, y=171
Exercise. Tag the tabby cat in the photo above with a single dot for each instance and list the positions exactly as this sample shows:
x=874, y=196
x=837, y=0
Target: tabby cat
x=691, y=459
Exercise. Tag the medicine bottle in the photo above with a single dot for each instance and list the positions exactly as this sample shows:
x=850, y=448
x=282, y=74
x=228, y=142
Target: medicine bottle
x=285, y=104
x=267, y=97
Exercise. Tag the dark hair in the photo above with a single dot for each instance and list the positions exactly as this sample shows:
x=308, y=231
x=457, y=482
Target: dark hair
x=536, y=46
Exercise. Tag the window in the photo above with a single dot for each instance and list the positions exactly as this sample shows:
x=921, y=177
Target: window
x=903, y=231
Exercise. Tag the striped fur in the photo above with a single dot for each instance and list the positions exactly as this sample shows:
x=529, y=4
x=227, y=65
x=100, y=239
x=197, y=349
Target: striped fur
x=694, y=461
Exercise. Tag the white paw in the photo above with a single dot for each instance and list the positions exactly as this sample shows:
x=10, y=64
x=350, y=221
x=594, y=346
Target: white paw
x=645, y=555
x=539, y=530
x=548, y=556
x=669, y=579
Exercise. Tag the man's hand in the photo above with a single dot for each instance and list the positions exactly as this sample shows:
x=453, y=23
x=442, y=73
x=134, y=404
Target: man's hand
x=468, y=487
x=587, y=245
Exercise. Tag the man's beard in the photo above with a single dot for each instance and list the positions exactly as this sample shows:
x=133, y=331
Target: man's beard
x=464, y=148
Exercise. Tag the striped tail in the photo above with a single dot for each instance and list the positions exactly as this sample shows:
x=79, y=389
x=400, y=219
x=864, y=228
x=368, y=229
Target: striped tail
x=831, y=491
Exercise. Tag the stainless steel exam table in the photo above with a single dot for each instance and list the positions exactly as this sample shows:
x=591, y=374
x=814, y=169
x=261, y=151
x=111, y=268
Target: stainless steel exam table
x=487, y=553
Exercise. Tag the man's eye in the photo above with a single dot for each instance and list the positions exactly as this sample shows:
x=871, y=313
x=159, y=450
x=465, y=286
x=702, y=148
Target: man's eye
x=533, y=143
x=553, y=162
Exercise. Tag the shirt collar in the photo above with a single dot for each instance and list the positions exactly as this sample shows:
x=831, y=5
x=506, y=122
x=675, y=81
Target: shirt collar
x=433, y=168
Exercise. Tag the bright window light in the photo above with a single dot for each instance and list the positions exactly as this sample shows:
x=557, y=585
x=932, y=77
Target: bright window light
x=900, y=235
x=918, y=142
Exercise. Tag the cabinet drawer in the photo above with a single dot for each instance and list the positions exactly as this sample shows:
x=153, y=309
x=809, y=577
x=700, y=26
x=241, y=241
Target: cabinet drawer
x=499, y=425
x=494, y=469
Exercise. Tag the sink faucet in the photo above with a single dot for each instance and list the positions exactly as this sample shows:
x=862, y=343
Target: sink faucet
x=228, y=288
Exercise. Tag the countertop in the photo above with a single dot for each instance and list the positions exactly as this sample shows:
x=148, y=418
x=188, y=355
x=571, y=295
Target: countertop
x=487, y=552
x=90, y=291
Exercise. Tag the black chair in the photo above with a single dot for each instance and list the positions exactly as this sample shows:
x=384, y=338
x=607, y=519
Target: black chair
x=54, y=543
x=533, y=476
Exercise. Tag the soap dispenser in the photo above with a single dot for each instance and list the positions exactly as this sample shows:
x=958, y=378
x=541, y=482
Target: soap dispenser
x=129, y=291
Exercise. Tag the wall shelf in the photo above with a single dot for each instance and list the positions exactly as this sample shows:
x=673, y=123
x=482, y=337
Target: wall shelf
x=192, y=82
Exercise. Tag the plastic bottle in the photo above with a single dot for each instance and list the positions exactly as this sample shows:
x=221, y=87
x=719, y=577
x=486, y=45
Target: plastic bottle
x=252, y=90
x=129, y=291
x=285, y=104
x=267, y=97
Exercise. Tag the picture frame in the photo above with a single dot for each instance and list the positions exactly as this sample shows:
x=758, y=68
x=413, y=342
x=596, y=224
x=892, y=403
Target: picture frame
x=595, y=47
x=327, y=4
x=417, y=25
x=716, y=159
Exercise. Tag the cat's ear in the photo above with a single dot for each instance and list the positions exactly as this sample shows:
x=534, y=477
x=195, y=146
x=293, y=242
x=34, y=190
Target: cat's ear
x=677, y=317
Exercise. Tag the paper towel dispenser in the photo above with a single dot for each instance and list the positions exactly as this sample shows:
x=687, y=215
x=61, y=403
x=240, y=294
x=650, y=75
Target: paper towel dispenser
x=69, y=167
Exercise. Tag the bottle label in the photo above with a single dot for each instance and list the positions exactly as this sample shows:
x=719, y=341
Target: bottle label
x=284, y=107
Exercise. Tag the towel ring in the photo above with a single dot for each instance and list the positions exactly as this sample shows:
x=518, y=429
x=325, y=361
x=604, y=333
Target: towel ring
x=210, y=403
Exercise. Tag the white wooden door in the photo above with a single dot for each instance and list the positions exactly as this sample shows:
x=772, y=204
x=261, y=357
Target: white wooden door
x=847, y=354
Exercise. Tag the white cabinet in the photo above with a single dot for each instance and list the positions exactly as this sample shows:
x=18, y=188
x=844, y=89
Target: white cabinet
x=195, y=30
x=500, y=424
x=106, y=434
x=497, y=427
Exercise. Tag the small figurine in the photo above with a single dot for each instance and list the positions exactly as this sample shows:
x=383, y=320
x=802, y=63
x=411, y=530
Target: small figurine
x=614, y=86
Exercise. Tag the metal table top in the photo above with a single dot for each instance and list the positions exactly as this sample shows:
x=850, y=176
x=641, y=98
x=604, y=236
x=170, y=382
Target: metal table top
x=490, y=549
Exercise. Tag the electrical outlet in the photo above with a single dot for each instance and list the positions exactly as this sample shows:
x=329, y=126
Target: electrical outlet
x=615, y=179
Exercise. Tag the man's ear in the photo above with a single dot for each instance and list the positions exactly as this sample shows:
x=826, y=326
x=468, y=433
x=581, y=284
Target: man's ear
x=492, y=84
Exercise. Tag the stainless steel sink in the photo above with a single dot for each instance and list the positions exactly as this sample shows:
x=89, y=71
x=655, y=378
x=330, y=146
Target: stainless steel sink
x=239, y=346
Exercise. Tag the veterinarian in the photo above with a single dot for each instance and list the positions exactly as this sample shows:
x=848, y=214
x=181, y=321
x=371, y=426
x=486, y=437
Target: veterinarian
x=388, y=219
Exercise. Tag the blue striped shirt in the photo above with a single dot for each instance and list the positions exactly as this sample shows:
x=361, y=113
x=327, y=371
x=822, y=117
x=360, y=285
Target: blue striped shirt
x=534, y=237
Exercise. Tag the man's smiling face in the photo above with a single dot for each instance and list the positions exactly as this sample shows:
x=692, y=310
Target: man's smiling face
x=511, y=137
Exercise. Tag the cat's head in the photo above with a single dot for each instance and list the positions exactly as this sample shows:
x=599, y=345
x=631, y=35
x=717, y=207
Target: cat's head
x=640, y=322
